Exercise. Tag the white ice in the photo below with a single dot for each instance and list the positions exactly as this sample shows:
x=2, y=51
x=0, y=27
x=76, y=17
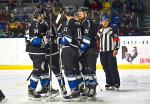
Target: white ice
x=135, y=88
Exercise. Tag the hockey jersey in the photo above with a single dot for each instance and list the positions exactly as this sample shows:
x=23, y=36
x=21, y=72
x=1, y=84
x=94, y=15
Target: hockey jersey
x=35, y=29
x=88, y=31
x=69, y=29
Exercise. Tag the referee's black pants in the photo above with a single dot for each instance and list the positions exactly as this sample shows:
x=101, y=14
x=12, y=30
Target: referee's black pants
x=109, y=63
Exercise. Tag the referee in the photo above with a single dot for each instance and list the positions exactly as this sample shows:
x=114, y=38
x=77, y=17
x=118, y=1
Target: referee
x=109, y=45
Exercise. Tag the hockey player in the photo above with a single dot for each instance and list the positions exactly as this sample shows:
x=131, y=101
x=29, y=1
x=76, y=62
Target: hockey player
x=52, y=62
x=88, y=52
x=70, y=53
x=110, y=43
x=34, y=41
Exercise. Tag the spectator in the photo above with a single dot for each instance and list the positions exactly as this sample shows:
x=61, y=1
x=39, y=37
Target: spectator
x=117, y=5
x=10, y=7
x=131, y=5
x=57, y=8
x=126, y=18
x=93, y=4
x=133, y=19
x=122, y=30
x=125, y=8
x=87, y=4
x=7, y=31
x=20, y=29
x=141, y=9
x=20, y=11
x=96, y=5
x=106, y=7
x=115, y=21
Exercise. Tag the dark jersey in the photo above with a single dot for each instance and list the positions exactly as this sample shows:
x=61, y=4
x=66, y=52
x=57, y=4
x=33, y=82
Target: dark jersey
x=88, y=31
x=35, y=29
x=70, y=29
x=53, y=39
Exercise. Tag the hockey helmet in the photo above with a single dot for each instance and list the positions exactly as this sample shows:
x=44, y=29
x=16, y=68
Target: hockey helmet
x=104, y=21
x=69, y=11
x=84, y=9
x=105, y=18
x=37, y=12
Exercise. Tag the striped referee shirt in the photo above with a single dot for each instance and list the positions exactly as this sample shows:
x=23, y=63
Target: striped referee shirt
x=108, y=40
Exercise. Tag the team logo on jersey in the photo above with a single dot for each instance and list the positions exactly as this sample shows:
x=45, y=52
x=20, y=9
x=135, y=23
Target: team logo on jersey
x=65, y=28
x=86, y=31
x=35, y=31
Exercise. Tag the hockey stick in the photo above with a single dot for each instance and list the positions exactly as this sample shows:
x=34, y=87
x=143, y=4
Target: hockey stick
x=29, y=75
x=64, y=90
x=50, y=51
x=25, y=82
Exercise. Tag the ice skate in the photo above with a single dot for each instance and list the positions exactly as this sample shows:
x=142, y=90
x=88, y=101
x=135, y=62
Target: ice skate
x=33, y=95
x=92, y=93
x=116, y=87
x=84, y=92
x=109, y=87
x=73, y=96
x=52, y=93
x=45, y=92
x=63, y=91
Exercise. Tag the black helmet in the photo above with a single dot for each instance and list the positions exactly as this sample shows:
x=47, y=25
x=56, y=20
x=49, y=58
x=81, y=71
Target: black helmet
x=69, y=11
x=84, y=9
x=37, y=12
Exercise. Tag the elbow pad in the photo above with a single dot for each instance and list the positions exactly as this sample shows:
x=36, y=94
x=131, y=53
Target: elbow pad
x=64, y=40
x=85, y=43
x=84, y=46
x=36, y=41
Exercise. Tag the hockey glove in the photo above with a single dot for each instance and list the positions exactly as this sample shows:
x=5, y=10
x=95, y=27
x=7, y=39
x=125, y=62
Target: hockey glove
x=84, y=46
x=36, y=41
x=64, y=40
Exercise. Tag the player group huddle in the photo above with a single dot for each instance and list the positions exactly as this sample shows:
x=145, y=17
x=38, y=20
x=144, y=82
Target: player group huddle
x=76, y=41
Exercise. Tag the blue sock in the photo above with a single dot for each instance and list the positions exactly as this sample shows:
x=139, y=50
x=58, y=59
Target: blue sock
x=33, y=84
x=45, y=82
x=73, y=84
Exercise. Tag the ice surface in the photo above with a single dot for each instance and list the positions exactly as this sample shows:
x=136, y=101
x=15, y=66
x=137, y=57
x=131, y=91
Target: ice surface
x=135, y=88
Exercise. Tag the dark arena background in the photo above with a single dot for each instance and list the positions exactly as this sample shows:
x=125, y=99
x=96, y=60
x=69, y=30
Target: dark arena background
x=131, y=19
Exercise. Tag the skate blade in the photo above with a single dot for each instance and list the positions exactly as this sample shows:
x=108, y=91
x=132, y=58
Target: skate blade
x=72, y=100
x=34, y=99
x=110, y=89
x=44, y=95
x=116, y=89
x=51, y=97
x=83, y=97
x=93, y=99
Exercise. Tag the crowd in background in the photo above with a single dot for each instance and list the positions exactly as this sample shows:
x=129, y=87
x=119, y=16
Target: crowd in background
x=126, y=16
